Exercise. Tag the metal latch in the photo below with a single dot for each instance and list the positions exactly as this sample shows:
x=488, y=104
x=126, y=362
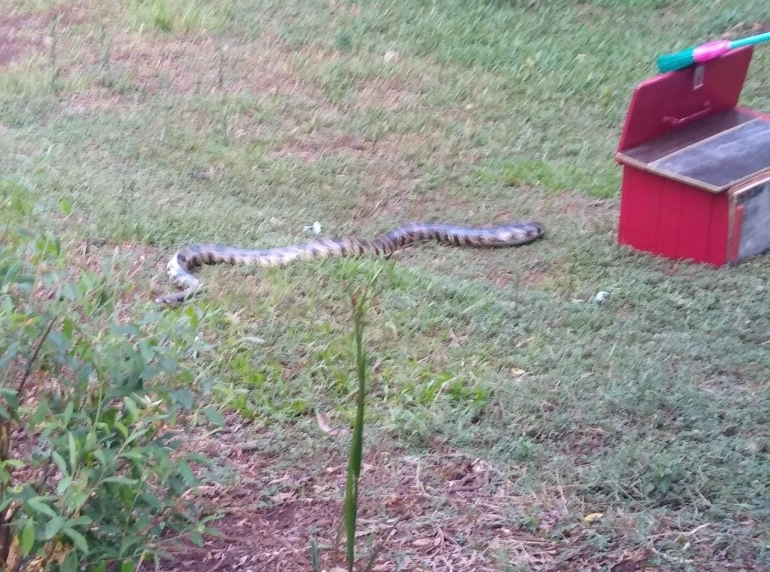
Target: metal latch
x=697, y=78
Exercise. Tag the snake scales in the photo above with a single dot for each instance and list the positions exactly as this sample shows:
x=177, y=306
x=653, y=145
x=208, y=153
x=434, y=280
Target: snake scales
x=189, y=257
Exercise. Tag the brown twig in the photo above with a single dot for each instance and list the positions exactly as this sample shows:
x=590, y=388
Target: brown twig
x=5, y=536
x=33, y=359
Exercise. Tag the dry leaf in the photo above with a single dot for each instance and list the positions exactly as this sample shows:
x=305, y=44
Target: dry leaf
x=593, y=517
x=281, y=497
x=629, y=562
x=256, y=340
x=521, y=343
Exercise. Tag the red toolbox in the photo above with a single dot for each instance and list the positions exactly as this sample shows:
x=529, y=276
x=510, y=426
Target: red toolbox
x=696, y=166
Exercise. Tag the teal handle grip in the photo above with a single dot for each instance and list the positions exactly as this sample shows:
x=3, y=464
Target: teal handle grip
x=751, y=40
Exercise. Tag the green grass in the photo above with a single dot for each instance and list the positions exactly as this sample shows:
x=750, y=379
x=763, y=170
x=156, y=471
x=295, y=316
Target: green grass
x=652, y=408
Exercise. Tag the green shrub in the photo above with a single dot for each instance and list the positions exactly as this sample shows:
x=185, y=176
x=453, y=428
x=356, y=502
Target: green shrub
x=94, y=400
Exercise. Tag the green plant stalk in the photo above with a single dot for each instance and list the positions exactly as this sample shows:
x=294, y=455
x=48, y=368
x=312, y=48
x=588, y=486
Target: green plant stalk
x=357, y=443
x=315, y=561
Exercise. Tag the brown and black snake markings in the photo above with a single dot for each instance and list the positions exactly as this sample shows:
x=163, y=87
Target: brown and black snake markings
x=189, y=257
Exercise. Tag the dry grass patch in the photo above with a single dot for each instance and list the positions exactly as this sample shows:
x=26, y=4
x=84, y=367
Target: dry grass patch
x=319, y=146
x=434, y=512
x=442, y=511
x=206, y=64
x=24, y=34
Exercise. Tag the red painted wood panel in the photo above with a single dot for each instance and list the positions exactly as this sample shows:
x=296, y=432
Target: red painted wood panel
x=667, y=242
x=672, y=219
x=640, y=204
x=694, y=224
x=718, y=228
x=672, y=95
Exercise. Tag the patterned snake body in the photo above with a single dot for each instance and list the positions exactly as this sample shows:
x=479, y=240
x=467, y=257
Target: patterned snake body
x=189, y=257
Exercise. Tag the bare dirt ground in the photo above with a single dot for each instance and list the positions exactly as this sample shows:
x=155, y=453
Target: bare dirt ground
x=444, y=511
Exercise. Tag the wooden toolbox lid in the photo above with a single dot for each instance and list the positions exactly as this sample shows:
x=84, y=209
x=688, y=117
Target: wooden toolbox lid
x=686, y=126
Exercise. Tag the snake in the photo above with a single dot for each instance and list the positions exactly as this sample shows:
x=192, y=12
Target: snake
x=186, y=259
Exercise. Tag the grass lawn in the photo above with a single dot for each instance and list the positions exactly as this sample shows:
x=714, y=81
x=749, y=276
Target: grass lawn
x=513, y=423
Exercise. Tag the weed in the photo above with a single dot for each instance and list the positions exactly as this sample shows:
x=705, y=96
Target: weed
x=343, y=41
x=155, y=12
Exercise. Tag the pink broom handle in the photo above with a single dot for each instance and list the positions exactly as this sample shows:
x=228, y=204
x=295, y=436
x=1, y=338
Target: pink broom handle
x=711, y=50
